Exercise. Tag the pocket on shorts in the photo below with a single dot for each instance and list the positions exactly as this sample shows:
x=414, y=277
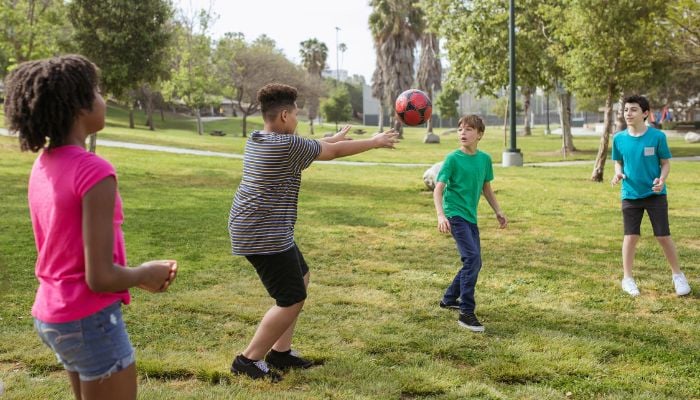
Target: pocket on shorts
x=64, y=339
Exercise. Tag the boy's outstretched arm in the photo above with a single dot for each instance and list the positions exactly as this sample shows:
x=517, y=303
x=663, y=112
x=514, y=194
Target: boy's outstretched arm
x=491, y=198
x=330, y=151
x=443, y=222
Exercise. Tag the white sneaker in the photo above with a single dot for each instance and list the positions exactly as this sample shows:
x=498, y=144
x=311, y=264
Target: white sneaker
x=629, y=286
x=681, y=284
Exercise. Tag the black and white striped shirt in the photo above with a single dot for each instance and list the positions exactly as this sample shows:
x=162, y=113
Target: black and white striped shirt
x=264, y=208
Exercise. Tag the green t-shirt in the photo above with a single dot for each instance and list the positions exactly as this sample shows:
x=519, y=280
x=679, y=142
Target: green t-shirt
x=464, y=176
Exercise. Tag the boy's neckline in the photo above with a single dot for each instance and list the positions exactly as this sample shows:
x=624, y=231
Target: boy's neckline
x=466, y=153
x=646, y=129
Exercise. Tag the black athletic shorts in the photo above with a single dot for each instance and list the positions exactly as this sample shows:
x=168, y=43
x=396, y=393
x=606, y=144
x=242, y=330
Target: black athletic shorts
x=283, y=275
x=657, y=209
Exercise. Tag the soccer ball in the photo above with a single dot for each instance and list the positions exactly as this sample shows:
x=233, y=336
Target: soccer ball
x=413, y=107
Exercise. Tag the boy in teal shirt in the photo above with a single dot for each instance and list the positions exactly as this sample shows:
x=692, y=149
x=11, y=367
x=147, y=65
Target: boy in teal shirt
x=642, y=163
x=465, y=174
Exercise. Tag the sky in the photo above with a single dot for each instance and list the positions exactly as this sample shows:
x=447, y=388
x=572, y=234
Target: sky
x=290, y=22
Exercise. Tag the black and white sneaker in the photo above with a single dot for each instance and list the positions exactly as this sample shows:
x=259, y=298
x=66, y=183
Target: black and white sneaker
x=285, y=360
x=470, y=322
x=254, y=369
x=452, y=305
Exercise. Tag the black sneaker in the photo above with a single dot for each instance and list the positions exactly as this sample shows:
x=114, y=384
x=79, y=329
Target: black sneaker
x=452, y=305
x=470, y=322
x=253, y=369
x=285, y=360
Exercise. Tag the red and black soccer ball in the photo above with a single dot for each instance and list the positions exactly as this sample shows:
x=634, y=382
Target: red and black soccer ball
x=413, y=107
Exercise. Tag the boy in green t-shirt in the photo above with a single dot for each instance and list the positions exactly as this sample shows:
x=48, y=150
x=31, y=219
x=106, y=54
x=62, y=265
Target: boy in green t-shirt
x=642, y=164
x=465, y=174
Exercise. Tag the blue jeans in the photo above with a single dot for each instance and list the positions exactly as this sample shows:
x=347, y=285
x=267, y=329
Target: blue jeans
x=466, y=236
x=94, y=347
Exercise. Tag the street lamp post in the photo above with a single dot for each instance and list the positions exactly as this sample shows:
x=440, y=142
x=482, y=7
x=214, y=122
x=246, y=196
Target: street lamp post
x=512, y=157
x=337, y=64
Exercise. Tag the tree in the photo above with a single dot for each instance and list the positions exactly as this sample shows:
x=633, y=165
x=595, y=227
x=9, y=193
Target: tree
x=378, y=86
x=128, y=39
x=430, y=72
x=446, y=102
x=337, y=108
x=396, y=26
x=192, y=78
x=314, y=55
x=476, y=33
x=611, y=51
x=245, y=68
x=32, y=29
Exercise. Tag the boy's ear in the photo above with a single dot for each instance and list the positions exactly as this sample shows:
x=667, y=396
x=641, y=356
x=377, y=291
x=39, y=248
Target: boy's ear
x=283, y=114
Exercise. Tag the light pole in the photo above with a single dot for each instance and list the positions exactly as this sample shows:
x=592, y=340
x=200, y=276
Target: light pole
x=512, y=156
x=337, y=64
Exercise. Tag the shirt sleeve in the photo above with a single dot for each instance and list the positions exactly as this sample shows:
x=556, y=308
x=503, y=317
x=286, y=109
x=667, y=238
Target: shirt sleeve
x=445, y=171
x=489, y=169
x=616, y=155
x=302, y=152
x=662, y=148
x=91, y=170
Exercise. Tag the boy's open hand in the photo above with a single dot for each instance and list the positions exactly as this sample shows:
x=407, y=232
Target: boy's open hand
x=617, y=178
x=158, y=275
x=658, y=185
x=341, y=134
x=443, y=224
x=386, y=139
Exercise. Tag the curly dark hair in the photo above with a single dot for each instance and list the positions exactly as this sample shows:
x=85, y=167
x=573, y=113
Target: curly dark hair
x=275, y=96
x=44, y=97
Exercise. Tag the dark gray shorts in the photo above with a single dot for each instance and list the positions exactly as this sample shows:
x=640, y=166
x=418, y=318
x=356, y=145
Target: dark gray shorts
x=656, y=207
x=283, y=275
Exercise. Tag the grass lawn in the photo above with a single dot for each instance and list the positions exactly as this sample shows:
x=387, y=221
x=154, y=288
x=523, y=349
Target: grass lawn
x=557, y=324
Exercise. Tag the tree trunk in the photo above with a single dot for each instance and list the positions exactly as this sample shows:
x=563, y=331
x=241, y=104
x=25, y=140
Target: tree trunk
x=599, y=168
x=381, y=117
x=162, y=115
x=93, y=143
x=527, y=96
x=200, y=128
x=131, y=115
x=564, y=103
x=620, y=124
x=244, y=125
x=311, y=126
x=149, y=111
x=398, y=127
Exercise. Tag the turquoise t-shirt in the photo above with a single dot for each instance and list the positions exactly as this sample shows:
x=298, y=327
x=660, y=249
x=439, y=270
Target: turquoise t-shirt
x=464, y=176
x=640, y=157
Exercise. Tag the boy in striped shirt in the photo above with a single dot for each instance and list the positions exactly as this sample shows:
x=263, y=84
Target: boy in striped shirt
x=262, y=218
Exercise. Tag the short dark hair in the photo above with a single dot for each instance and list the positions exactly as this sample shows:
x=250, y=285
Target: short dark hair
x=641, y=100
x=44, y=97
x=274, y=97
x=474, y=121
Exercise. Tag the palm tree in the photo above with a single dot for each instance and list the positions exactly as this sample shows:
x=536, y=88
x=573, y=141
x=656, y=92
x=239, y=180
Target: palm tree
x=378, y=88
x=396, y=26
x=313, y=55
x=430, y=74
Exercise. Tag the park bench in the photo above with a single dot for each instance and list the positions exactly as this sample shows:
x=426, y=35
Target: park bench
x=218, y=133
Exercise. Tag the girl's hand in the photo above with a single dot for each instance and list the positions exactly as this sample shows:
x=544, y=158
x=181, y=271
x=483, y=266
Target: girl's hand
x=158, y=275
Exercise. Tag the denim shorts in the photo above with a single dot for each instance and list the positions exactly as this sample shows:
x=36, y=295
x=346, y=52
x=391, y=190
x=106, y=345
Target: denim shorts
x=94, y=347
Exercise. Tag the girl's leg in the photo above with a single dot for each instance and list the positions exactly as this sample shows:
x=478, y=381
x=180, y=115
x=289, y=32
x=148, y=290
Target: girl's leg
x=118, y=386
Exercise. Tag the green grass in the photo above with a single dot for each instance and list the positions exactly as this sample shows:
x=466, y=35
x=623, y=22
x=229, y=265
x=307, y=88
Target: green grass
x=548, y=293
